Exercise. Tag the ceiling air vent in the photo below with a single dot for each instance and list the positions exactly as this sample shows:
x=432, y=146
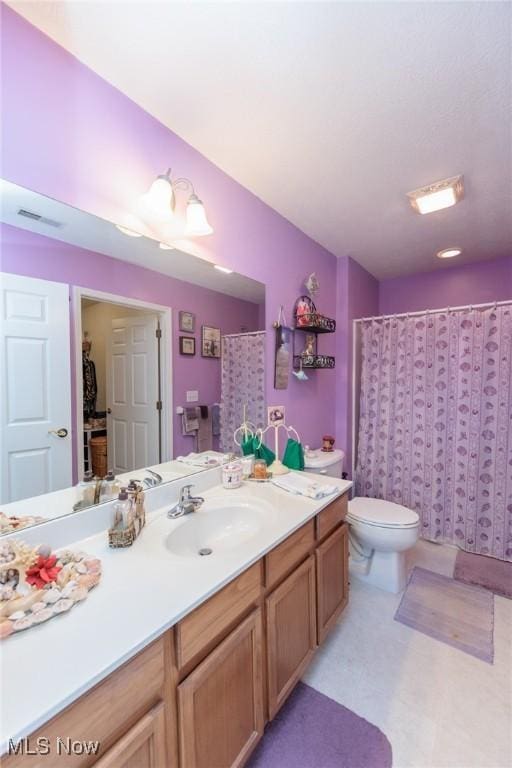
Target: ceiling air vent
x=38, y=217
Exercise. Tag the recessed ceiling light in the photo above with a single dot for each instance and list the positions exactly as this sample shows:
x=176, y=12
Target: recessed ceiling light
x=226, y=270
x=439, y=195
x=449, y=253
x=129, y=232
x=166, y=247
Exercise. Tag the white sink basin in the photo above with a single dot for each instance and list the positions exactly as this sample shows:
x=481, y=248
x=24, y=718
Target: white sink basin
x=220, y=525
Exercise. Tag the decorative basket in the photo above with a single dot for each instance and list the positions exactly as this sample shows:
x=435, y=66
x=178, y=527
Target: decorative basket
x=99, y=456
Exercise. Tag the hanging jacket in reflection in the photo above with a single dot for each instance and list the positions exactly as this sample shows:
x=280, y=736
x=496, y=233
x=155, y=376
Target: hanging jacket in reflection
x=90, y=386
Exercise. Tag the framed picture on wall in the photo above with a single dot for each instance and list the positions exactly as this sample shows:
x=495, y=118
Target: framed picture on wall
x=210, y=341
x=187, y=345
x=187, y=322
x=275, y=415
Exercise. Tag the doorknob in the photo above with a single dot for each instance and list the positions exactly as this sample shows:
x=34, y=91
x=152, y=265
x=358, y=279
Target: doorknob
x=62, y=432
x=109, y=410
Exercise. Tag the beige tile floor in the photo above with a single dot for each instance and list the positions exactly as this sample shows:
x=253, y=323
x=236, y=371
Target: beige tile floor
x=439, y=707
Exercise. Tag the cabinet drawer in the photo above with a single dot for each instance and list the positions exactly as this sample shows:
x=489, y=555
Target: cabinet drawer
x=331, y=516
x=281, y=560
x=104, y=714
x=197, y=632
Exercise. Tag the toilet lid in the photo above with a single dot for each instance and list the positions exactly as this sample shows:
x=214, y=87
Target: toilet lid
x=385, y=514
x=323, y=459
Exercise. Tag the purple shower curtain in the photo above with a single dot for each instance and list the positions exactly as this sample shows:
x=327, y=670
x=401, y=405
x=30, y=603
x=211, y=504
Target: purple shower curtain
x=242, y=383
x=435, y=429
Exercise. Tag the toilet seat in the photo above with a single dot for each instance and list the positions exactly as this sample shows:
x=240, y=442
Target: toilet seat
x=381, y=514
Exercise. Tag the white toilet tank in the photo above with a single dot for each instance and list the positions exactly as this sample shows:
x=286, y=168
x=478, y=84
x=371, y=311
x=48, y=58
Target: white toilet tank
x=328, y=463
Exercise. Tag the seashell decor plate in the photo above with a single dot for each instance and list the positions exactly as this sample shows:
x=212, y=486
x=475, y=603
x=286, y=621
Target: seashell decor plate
x=36, y=585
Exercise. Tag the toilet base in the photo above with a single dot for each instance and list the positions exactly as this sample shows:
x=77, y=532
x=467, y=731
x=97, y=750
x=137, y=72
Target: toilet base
x=385, y=570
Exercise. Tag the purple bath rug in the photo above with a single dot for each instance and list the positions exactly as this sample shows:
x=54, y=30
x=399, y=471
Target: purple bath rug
x=487, y=572
x=455, y=613
x=313, y=731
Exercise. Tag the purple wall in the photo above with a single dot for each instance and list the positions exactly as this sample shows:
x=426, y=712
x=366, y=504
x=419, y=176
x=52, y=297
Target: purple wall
x=475, y=283
x=357, y=296
x=95, y=149
x=32, y=255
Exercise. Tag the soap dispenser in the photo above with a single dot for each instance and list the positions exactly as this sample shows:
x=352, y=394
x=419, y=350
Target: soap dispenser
x=111, y=487
x=87, y=488
x=122, y=509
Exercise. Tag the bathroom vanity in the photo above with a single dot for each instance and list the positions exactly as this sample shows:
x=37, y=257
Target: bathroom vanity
x=198, y=693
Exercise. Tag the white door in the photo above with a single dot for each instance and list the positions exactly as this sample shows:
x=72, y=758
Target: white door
x=133, y=394
x=35, y=387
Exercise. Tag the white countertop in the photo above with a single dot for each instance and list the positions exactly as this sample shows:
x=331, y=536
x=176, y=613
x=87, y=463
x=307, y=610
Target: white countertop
x=144, y=590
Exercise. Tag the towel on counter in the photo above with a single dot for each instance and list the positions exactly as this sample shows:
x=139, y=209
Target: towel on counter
x=303, y=486
x=208, y=459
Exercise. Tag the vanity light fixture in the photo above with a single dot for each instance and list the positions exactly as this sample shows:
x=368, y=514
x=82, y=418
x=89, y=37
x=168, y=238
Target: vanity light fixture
x=449, y=253
x=226, y=270
x=159, y=204
x=436, y=196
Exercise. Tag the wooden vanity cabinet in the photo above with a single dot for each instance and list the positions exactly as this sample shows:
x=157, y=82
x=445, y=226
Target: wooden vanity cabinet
x=291, y=632
x=131, y=714
x=331, y=580
x=220, y=704
x=199, y=696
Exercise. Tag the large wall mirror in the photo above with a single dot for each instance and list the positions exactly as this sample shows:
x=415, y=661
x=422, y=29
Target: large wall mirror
x=119, y=359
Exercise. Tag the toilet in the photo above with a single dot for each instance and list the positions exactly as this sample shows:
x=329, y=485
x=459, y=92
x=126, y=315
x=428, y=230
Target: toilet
x=329, y=463
x=380, y=534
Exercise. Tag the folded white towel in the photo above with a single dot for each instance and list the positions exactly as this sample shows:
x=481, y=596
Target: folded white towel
x=204, y=459
x=302, y=485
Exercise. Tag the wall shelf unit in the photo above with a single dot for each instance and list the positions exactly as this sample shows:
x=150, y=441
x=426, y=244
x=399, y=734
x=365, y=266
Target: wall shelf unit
x=312, y=324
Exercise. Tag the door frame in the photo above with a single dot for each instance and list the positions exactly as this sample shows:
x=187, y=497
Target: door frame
x=166, y=350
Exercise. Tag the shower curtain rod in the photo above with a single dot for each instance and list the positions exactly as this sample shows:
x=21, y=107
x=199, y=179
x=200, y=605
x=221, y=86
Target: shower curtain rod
x=249, y=333
x=434, y=311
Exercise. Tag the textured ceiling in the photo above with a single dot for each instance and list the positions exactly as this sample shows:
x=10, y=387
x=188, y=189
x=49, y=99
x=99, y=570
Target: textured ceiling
x=329, y=112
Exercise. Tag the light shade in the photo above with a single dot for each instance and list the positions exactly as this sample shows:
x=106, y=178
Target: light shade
x=166, y=247
x=226, y=270
x=439, y=195
x=197, y=223
x=449, y=253
x=158, y=202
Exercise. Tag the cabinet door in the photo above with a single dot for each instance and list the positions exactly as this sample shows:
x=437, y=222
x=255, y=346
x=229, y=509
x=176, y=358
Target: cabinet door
x=332, y=579
x=291, y=632
x=143, y=746
x=221, y=701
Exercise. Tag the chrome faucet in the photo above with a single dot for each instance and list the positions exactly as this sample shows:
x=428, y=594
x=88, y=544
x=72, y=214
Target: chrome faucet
x=151, y=482
x=186, y=504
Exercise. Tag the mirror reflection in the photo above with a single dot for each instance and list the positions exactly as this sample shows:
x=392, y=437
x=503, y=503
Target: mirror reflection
x=119, y=360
